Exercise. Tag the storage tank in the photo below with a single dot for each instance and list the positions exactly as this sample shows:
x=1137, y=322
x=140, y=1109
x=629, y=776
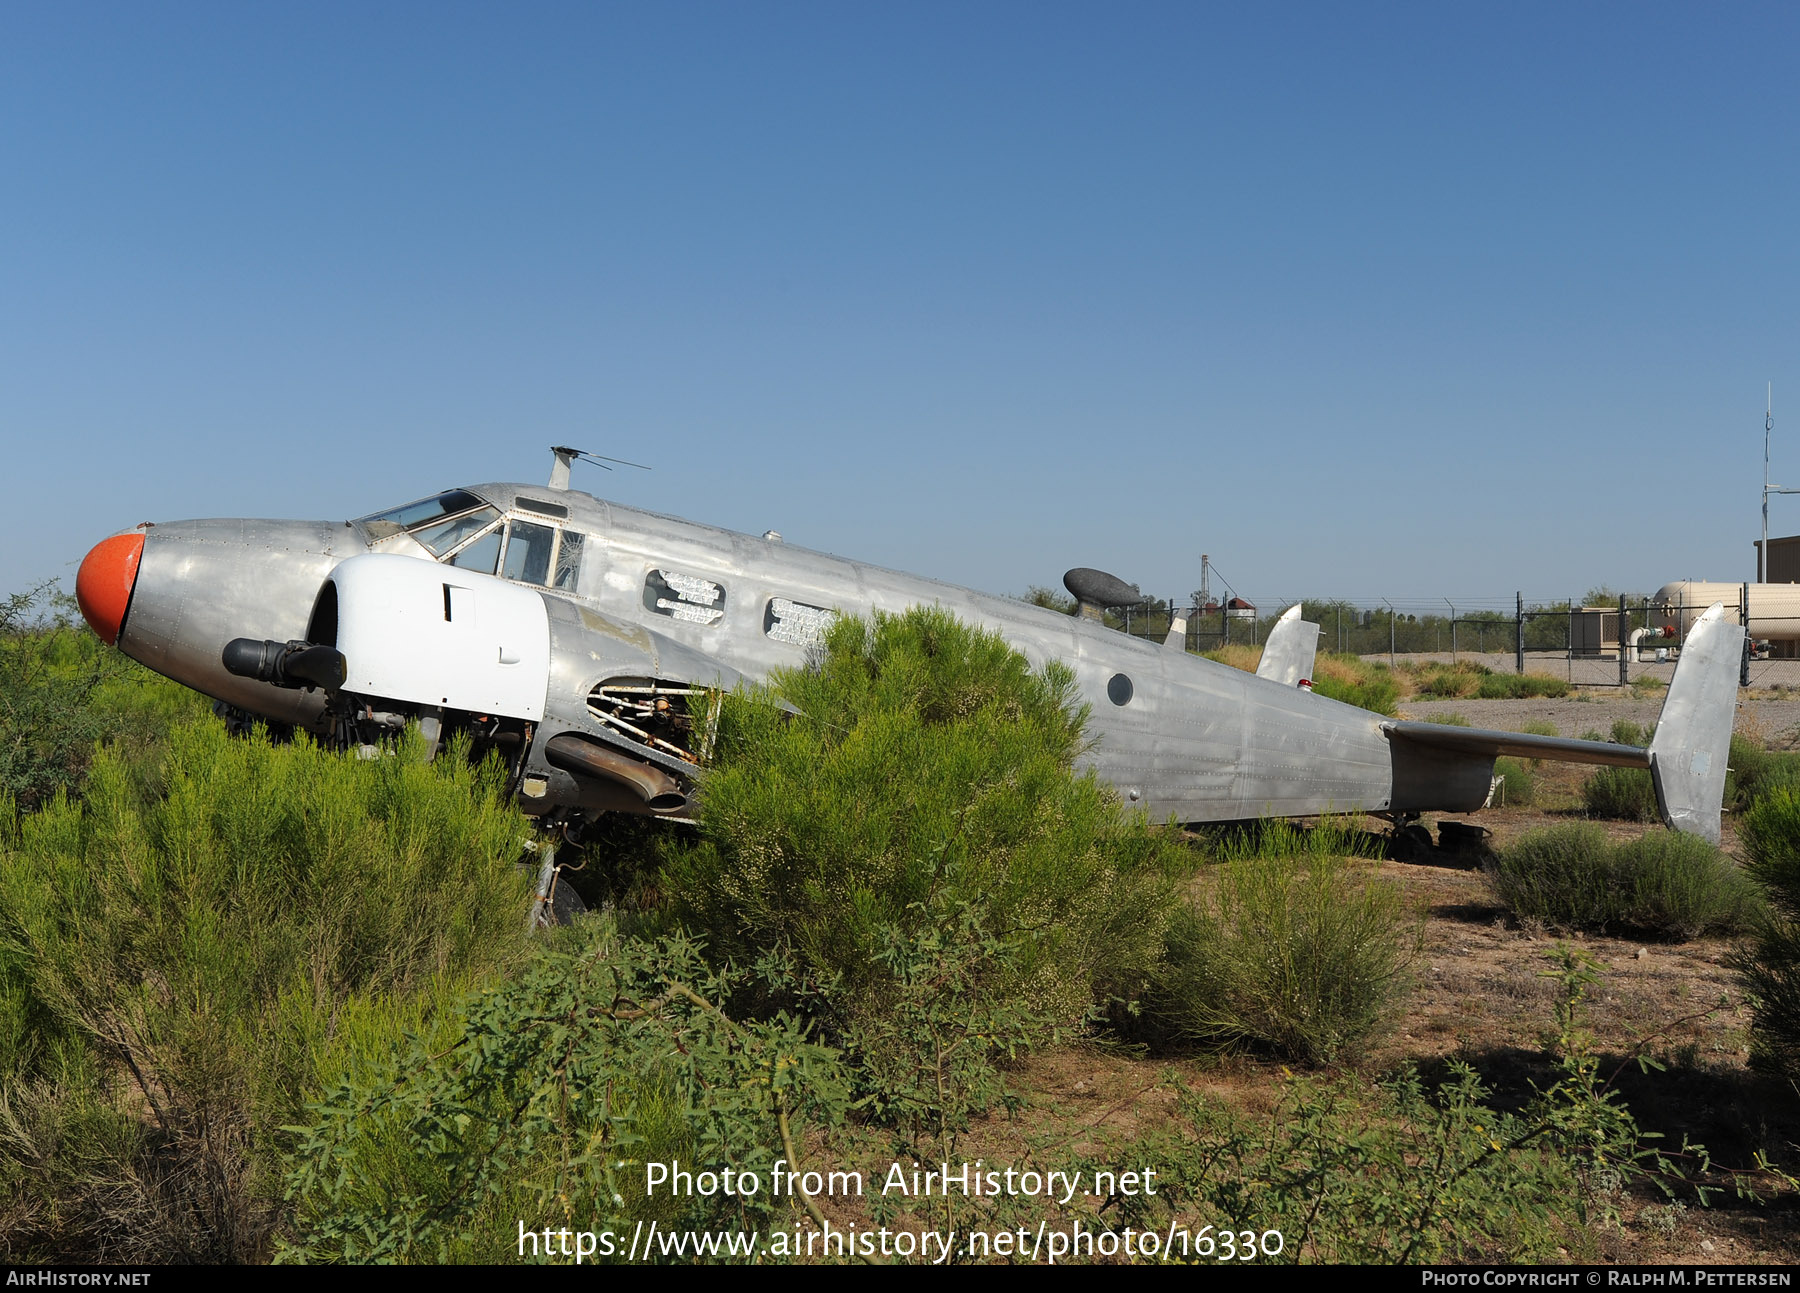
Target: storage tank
x=1774, y=608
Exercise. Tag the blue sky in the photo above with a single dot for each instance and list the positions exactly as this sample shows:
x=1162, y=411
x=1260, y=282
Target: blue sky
x=1379, y=300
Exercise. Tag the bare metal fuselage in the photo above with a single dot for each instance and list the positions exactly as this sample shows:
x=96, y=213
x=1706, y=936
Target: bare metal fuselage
x=1178, y=735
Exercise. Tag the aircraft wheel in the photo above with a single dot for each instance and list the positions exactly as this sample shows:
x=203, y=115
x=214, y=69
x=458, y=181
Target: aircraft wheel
x=565, y=903
x=1410, y=844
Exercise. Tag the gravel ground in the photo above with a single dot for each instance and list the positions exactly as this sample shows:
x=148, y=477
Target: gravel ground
x=1775, y=720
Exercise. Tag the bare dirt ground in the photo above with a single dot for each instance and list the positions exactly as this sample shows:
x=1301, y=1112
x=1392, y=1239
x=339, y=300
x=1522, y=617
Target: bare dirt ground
x=1480, y=994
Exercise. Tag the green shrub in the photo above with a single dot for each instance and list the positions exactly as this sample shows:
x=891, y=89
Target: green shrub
x=1540, y=727
x=1297, y=952
x=1521, y=686
x=548, y=1102
x=1754, y=772
x=1521, y=784
x=1558, y=874
x=1447, y=720
x=1449, y=682
x=181, y=970
x=1769, y=968
x=1623, y=794
x=1356, y=681
x=1400, y=1173
x=1665, y=884
x=1626, y=732
x=928, y=1060
x=925, y=756
x=62, y=690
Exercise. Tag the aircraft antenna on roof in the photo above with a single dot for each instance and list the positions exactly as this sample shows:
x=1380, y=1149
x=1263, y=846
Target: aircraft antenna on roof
x=565, y=456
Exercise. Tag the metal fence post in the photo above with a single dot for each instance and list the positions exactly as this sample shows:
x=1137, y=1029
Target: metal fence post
x=1519, y=632
x=1624, y=675
x=1744, y=619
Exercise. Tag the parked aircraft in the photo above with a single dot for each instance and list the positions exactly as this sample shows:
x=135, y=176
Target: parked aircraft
x=576, y=636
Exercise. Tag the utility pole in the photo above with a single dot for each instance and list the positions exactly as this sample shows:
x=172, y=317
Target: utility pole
x=1762, y=553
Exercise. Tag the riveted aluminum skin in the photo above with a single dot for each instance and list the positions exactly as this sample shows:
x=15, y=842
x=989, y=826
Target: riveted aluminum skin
x=1197, y=740
x=663, y=599
x=202, y=583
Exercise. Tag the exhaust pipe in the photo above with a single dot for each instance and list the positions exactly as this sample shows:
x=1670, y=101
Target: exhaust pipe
x=285, y=664
x=576, y=754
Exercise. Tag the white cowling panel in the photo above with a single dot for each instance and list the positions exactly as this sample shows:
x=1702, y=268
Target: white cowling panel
x=413, y=630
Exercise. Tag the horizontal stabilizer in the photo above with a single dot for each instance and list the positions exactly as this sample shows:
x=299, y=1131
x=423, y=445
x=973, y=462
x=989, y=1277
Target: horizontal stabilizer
x=1292, y=647
x=1687, y=755
x=1521, y=745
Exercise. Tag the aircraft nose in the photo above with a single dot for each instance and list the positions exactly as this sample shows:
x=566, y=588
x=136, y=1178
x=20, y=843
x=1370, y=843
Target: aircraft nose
x=104, y=583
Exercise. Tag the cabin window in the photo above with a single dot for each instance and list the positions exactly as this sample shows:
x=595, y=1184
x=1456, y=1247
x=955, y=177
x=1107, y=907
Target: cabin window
x=568, y=560
x=684, y=597
x=796, y=622
x=528, y=552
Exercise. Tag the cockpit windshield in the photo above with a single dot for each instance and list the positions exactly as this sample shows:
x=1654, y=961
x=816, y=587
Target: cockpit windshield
x=449, y=503
x=445, y=535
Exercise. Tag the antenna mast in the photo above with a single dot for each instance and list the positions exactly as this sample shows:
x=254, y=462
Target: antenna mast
x=1762, y=553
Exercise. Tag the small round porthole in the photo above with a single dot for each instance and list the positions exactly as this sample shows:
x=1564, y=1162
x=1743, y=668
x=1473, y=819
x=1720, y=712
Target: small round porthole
x=1118, y=689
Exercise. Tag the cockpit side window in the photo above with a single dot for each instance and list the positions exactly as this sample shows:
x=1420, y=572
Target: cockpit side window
x=568, y=560
x=482, y=555
x=528, y=552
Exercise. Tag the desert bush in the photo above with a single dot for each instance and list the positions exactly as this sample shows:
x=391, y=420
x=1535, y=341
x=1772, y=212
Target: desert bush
x=1755, y=771
x=1356, y=681
x=548, y=1102
x=1238, y=655
x=180, y=969
x=1679, y=886
x=1665, y=884
x=1623, y=794
x=1540, y=727
x=62, y=691
x=1449, y=682
x=1289, y=948
x=1349, y=678
x=1769, y=967
x=929, y=1059
x=926, y=758
x=1521, y=784
x=1447, y=720
x=1338, y=1172
x=1520, y=686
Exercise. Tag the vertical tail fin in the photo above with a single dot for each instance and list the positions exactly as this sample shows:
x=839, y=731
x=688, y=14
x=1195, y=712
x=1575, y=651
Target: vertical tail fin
x=1292, y=648
x=1693, y=736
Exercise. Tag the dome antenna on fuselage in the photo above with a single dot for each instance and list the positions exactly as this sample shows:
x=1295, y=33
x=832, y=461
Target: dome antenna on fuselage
x=565, y=457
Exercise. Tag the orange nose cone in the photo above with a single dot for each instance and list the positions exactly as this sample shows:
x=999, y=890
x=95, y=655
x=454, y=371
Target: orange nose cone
x=103, y=586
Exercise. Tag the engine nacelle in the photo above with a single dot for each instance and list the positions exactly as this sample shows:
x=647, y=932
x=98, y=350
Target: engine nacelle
x=432, y=635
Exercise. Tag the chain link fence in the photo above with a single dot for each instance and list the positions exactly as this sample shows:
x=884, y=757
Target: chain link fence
x=1596, y=645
